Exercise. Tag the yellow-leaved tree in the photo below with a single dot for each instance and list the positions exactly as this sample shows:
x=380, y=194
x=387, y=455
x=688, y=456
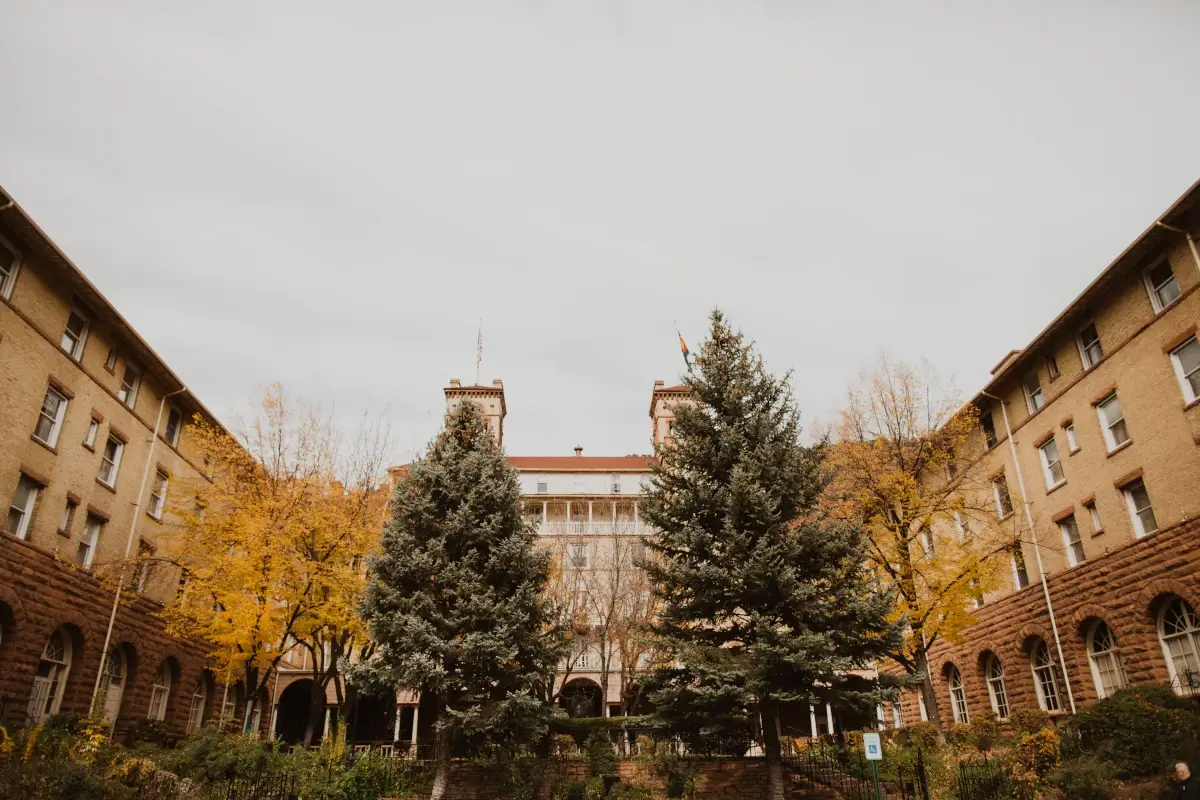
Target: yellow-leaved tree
x=272, y=545
x=905, y=456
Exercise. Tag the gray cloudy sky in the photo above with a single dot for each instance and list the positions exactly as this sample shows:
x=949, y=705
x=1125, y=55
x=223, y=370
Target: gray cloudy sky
x=332, y=194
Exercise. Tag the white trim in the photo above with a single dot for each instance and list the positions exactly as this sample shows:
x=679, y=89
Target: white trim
x=1106, y=426
x=7, y=282
x=46, y=697
x=115, y=463
x=31, y=494
x=1152, y=290
x=958, y=696
x=1094, y=513
x=196, y=709
x=1112, y=656
x=1189, y=646
x=60, y=413
x=992, y=677
x=1048, y=465
x=160, y=693
x=75, y=351
x=1084, y=356
x=92, y=528
x=1189, y=394
x=1017, y=572
x=158, y=495
x=1035, y=396
x=1066, y=527
x=997, y=481
x=1041, y=670
x=128, y=397
x=1072, y=438
x=1139, y=528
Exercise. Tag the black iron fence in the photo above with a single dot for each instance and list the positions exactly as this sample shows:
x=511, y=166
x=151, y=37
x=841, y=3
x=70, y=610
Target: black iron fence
x=851, y=775
x=983, y=780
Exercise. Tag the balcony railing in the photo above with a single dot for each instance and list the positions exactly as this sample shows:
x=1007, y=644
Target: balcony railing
x=608, y=528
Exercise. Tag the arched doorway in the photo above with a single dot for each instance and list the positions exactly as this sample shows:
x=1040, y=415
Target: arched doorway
x=112, y=685
x=372, y=718
x=50, y=680
x=581, y=697
x=292, y=712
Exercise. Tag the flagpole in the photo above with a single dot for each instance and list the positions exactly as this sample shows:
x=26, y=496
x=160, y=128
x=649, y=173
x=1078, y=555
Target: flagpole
x=478, y=350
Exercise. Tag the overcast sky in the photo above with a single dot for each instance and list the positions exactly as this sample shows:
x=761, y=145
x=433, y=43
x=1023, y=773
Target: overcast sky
x=333, y=194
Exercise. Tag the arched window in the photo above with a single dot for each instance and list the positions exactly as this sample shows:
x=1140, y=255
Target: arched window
x=112, y=685
x=1105, y=659
x=1179, y=630
x=1044, y=677
x=160, y=692
x=196, y=710
x=958, y=695
x=51, y=677
x=996, y=689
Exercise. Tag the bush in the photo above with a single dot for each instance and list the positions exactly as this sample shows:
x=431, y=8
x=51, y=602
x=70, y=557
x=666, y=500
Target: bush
x=923, y=735
x=1025, y=721
x=576, y=790
x=1140, y=731
x=984, y=732
x=629, y=791
x=602, y=758
x=563, y=745
x=959, y=734
x=1085, y=779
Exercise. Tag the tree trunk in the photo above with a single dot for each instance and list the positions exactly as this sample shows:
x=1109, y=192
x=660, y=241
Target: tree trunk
x=441, y=774
x=931, y=706
x=768, y=711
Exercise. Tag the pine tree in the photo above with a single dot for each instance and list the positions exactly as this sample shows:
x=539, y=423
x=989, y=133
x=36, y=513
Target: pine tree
x=764, y=602
x=455, y=598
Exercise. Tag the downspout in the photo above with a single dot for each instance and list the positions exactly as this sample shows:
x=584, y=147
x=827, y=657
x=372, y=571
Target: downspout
x=137, y=505
x=1037, y=551
x=1191, y=242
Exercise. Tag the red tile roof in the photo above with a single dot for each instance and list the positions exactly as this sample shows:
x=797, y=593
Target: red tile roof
x=582, y=463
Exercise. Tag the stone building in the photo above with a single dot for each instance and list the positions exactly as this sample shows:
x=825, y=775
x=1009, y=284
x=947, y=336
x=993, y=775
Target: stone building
x=1091, y=435
x=92, y=438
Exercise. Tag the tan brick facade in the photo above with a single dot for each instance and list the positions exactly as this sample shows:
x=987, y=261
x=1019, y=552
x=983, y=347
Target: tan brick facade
x=41, y=587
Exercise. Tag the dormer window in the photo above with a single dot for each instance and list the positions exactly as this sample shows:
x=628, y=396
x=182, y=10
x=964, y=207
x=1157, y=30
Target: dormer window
x=615, y=483
x=543, y=486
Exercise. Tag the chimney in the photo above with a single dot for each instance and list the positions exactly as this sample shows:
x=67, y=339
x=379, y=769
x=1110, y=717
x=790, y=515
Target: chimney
x=578, y=451
x=454, y=384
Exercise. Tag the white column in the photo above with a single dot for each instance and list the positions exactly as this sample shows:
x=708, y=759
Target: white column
x=416, y=711
x=544, y=516
x=399, y=714
x=879, y=715
x=829, y=717
x=326, y=729
x=635, y=517
x=589, y=512
x=568, y=511
x=812, y=718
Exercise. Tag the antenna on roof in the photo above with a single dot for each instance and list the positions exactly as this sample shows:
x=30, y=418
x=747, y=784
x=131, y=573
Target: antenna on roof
x=478, y=351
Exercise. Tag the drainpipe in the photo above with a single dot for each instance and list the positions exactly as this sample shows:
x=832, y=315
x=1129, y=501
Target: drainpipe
x=1191, y=242
x=137, y=505
x=1037, y=551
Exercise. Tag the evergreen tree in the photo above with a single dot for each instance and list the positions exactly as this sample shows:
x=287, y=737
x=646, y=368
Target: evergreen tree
x=455, y=598
x=764, y=602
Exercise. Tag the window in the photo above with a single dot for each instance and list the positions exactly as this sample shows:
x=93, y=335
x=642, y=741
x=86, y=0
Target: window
x=1105, y=659
x=50, y=418
x=21, y=510
x=75, y=335
x=68, y=517
x=1161, y=283
x=897, y=715
x=112, y=686
x=1072, y=541
x=196, y=709
x=1094, y=513
x=110, y=363
x=543, y=487
x=584, y=660
x=1052, y=468
x=89, y=440
x=1052, y=367
x=995, y=685
x=951, y=470
x=615, y=483
x=1020, y=574
x=174, y=426
x=8, y=270
x=1179, y=632
x=228, y=704
x=579, y=556
x=1140, y=511
x=160, y=692
x=110, y=462
x=1044, y=677
x=51, y=677
x=158, y=495
x=144, y=566
x=927, y=545
x=989, y=429
x=1186, y=359
x=1112, y=422
x=1090, y=349
x=958, y=695
x=960, y=524
x=1004, y=505
x=1034, y=397
x=1072, y=440
x=130, y=382
x=87, y=545
x=921, y=706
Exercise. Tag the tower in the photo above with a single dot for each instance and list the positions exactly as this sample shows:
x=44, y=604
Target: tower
x=662, y=410
x=488, y=398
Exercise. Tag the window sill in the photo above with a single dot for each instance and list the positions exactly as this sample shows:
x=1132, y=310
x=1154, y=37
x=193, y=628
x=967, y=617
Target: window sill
x=1098, y=533
x=1073, y=452
x=112, y=489
x=1119, y=448
x=44, y=444
x=156, y=519
x=1056, y=486
x=1006, y=516
x=89, y=447
x=64, y=534
x=1188, y=406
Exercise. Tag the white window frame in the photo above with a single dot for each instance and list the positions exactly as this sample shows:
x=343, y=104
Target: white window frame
x=996, y=483
x=1052, y=368
x=1018, y=568
x=543, y=485
x=1105, y=662
x=1084, y=356
x=110, y=361
x=1110, y=440
x=114, y=463
x=56, y=422
x=1035, y=396
x=924, y=712
x=128, y=396
x=93, y=430
x=160, y=693
x=1181, y=648
x=1189, y=394
x=1139, y=528
x=958, y=696
x=158, y=495
x=75, y=350
x=960, y=526
x=1049, y=463
x=1050, y=703
x=32, y=490
x=196, y=709
x=928, y=545
x=1074, y=547
x=7, y=282
x=68, y=517
x=1072, y=437
x=170, y=436
x=92, y=528
x=46, y=698
x=1094, y=513
x=1152, y=290
x=997, y=691
x=615, y=483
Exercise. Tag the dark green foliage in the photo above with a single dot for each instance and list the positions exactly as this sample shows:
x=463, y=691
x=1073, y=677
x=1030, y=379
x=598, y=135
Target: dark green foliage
x=1085, y=779
x=576, y=790
x=764, y=600
x=922, y=735
x=628, y=791
x=1026, y=721
x=455, y=598
x=209, y=755
x=677, y=784
x=984, y=732
x=601, y=756
x=1140, y=731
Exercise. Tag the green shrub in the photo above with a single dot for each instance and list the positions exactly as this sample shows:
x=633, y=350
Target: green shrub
x=676, y=784
x=1025, y=721
x=576, y=790
x=959, y=734
x=1140, y=731
x=629, y=791
x=602, y=758
x=923, y=735
x=984, y=732
x=1085, y=779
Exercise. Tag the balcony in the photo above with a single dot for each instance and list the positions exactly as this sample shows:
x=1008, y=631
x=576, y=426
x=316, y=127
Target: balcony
x=606, y=528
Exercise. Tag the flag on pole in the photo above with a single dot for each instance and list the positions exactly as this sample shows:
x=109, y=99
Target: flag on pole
x=478, y=351
x=687, y=354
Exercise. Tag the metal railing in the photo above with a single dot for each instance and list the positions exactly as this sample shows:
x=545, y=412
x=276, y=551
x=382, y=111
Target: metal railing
x=607, y=528
x=848, y=773
x=982, y=780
